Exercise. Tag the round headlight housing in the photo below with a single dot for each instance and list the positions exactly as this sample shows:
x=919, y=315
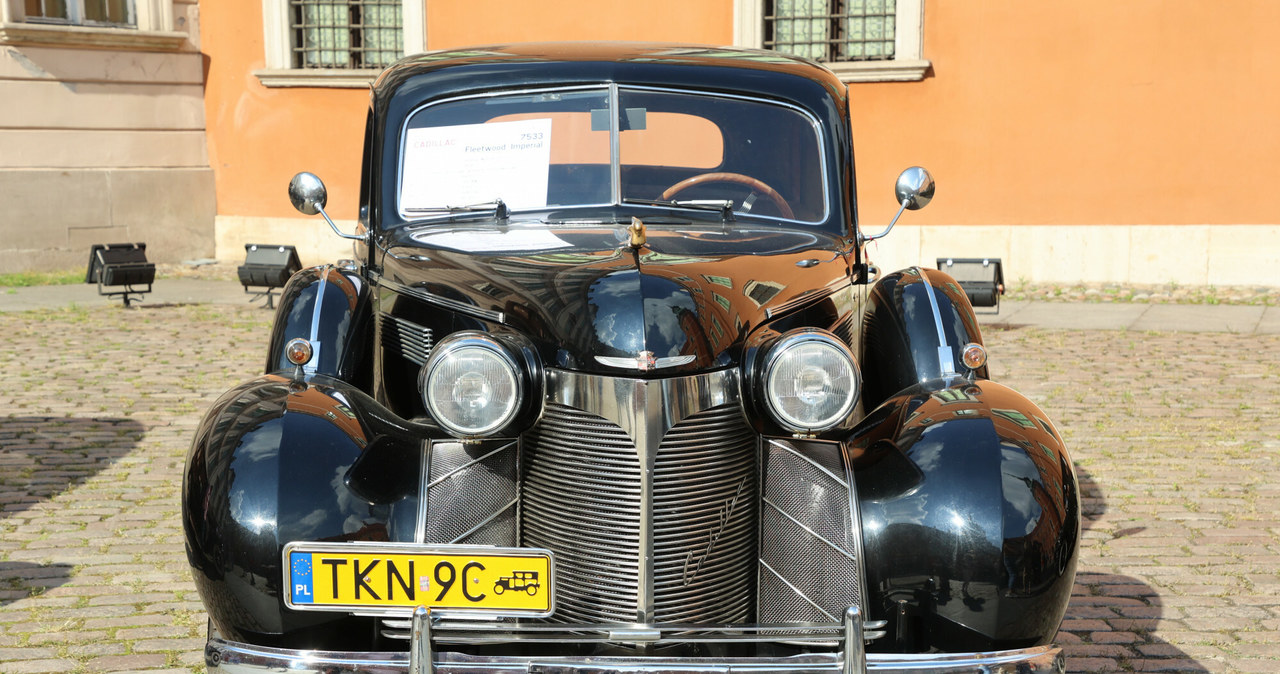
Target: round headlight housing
x=472, y=385
x=811, y=381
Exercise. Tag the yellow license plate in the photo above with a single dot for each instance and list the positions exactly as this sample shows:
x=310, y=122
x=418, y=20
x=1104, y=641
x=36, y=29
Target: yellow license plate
x=395, y=578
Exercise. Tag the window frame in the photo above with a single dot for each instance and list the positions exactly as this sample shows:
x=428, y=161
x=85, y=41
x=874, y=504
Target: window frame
x=76, y=13
x=152, y=29
x=907, y=65
x=278, y=48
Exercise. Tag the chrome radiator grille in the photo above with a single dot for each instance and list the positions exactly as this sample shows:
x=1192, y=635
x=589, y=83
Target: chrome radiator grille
x=704, y=519
x=583, y=497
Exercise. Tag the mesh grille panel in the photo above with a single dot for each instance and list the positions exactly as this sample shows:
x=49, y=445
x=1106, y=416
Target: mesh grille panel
x=814, y=549
x=783, y=600
x=469, y=484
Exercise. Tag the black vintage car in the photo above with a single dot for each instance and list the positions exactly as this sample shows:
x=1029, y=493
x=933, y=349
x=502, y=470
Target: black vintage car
x=611, y=326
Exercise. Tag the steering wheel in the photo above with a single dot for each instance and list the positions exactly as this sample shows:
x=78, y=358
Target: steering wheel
x=757, y=187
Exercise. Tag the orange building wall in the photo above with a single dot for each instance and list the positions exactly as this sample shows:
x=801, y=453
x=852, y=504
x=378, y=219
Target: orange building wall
x=1036, y=111
x=1082, y=112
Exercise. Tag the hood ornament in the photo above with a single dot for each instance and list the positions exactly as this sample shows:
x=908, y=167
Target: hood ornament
x=644, y=361
x=638, y=236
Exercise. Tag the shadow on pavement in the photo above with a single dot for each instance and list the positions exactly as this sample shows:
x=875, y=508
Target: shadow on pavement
x=41, y=457
x=1113, y=620
x=19, y=580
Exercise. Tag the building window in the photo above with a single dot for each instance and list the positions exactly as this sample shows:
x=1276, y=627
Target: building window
x=81, y=12
x=352, y=34
x=831, y=30
x=337, y=43
x=860, y=40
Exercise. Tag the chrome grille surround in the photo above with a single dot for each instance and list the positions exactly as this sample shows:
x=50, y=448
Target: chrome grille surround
x=608, y=485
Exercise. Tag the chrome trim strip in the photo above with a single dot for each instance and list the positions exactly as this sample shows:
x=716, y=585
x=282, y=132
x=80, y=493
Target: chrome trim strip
x=445, y=302
x=860, y=550
x=311, y=365
x=224, y=657
x=946, y=359
x=424, y=480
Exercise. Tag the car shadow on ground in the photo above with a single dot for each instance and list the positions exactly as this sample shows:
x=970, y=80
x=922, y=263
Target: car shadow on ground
x=1113, y=621
x=41, y=457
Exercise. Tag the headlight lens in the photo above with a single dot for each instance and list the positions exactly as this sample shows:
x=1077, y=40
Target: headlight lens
x=811, y=381
x=472, y=385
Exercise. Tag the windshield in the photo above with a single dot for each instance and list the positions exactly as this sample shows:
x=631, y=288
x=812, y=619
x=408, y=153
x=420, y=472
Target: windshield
x=561, y=149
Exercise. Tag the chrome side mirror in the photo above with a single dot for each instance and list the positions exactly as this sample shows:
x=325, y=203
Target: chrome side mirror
x=914, y=188
x=309, y=196
x=914, y=191
x=307, y=193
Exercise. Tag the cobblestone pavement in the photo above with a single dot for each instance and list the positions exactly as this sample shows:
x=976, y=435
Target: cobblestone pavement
x=1175, y=438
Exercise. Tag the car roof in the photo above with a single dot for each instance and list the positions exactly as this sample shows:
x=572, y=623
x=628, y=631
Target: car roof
x=443, y=73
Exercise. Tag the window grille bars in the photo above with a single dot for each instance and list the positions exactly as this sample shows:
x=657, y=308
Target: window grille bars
x=832, y=30
x=346, y=33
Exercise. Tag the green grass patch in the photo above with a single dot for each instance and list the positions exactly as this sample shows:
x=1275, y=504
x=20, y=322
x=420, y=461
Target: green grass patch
x=41, y=278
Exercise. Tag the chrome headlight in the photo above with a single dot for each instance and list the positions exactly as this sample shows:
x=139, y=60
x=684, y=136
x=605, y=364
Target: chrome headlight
x=811, y=381
x=472, y=385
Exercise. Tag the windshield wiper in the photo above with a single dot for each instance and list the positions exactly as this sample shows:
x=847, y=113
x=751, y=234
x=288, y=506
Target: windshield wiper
x=724, y=206
x=498, y=207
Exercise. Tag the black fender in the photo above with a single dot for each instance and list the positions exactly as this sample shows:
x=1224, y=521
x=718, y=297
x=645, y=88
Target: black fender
x=970, y=516
x=330, y=307
x=280, y=459
x=915, y=323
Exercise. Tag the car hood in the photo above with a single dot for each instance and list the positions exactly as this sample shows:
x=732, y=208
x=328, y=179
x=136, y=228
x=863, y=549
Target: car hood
x=684, y=301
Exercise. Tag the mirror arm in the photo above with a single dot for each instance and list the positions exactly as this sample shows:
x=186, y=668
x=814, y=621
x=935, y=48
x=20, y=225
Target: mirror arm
x=357, y=237
x=881, y=235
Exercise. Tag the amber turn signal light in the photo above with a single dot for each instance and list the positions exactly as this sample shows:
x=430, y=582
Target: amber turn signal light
x=973, y=355
x=298, y=351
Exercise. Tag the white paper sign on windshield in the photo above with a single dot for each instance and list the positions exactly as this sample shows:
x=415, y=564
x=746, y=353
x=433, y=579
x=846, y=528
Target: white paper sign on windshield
x=476, y=163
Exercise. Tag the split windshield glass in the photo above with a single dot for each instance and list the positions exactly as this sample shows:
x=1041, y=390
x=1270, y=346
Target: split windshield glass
x=589, y=148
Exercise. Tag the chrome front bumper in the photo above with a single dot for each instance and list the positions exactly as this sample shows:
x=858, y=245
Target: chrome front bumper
x=225, y=657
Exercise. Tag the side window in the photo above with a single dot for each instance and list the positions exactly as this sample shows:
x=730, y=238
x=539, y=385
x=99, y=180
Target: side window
x=861, y=40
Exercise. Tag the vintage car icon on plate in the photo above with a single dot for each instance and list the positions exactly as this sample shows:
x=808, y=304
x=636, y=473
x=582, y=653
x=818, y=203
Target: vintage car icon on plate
x=612, y=384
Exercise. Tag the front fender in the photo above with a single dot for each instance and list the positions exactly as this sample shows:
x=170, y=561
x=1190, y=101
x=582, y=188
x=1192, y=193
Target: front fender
x=915, y=324
x=970, y=514
x=329, y=307
x=278, y=459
